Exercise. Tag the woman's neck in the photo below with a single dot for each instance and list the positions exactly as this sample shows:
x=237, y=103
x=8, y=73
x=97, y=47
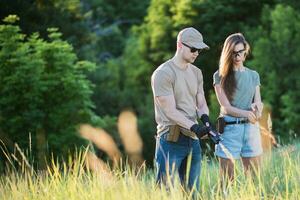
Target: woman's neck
x=238, y=67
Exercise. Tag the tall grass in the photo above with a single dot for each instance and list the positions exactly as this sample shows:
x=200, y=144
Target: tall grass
x=279, y=178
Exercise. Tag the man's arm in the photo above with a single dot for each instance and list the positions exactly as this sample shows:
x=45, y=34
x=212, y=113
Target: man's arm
x=164, y=97
x=202, y=107
x=167, y=103
x=169, y=107
x=203, y=112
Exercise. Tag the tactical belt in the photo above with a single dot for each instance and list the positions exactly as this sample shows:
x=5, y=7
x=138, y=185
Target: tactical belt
x=176, y=130
x=187, y=132
x=243, y=121
x=221, y=123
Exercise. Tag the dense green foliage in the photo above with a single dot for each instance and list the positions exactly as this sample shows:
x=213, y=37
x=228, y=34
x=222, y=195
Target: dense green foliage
x=88, y=24
x=44, y=91
x=276, y=57
x=126, y=41
x=155, y=41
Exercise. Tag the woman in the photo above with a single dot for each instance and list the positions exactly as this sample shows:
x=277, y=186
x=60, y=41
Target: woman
x=238, y=91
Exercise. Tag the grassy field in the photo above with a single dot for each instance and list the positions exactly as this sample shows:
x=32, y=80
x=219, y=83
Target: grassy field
x=278, y=179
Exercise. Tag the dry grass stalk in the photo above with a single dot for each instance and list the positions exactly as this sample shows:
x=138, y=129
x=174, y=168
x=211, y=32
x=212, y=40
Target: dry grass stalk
x=102, y=140
x=128, y=130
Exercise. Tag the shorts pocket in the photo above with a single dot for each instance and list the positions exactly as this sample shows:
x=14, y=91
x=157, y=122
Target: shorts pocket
x=233, y=136
x=229, y=129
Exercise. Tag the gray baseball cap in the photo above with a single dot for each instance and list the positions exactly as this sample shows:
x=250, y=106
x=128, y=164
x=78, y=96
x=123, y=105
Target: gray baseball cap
x=191, y=37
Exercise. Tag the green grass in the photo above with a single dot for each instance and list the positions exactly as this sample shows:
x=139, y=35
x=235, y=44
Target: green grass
x=278, y=179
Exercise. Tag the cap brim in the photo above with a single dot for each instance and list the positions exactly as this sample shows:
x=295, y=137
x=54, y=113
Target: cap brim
x=201, y=45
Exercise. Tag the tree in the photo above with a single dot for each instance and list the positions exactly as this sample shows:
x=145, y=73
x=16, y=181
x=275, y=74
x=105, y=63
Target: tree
x=44, y=91
x=154, y=41
x=276, y=57
x=97, y=30
x=87, y=24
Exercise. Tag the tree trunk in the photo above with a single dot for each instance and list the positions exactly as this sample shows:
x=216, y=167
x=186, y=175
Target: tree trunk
x=41, y=148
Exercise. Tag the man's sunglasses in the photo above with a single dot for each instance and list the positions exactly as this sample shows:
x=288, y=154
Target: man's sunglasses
x=193, y=49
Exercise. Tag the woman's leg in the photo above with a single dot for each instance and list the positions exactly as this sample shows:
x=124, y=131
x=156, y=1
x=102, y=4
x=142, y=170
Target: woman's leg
x=226, y=169
x=252, y=149
x=251, y=165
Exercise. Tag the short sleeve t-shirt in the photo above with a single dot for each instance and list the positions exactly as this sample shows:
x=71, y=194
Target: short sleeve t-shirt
x=247, y=81
x=184, y=84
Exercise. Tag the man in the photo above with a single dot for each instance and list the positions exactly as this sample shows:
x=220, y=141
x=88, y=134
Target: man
x=177, y=87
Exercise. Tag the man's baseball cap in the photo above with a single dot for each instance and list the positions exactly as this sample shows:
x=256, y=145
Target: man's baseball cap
x=191, y=37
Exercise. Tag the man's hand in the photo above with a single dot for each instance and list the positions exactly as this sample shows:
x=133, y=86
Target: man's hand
x=212, y=134
x=215, y=136
x=205, y=120
x=200, y=131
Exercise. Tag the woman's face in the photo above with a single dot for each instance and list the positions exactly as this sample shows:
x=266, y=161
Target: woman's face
x=239, y=53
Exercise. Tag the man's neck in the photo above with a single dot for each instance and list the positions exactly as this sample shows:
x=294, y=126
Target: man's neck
x=179, y=62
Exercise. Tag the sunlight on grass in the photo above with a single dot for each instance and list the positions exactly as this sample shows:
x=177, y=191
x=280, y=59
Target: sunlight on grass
x=278, y=179
x=85, y=176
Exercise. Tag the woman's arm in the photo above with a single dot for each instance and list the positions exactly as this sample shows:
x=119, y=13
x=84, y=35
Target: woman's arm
x=228, y=109
x=257, y=105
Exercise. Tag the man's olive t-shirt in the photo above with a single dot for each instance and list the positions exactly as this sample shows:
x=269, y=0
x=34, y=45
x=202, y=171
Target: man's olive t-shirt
x=184, y=84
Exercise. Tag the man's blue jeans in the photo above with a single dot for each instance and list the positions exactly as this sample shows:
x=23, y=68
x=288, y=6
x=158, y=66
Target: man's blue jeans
x=172, y=157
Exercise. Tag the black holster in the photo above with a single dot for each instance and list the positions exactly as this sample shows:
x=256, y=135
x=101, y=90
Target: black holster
x=220, y=124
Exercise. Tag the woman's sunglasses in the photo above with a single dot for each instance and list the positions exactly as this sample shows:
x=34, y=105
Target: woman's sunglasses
x=240, y=52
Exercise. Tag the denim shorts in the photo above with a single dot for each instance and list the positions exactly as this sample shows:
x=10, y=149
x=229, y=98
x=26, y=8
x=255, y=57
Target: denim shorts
x=241, y=140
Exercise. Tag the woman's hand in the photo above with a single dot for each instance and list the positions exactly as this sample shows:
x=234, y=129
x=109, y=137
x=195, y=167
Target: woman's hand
x=257, y=108
x=251, y=117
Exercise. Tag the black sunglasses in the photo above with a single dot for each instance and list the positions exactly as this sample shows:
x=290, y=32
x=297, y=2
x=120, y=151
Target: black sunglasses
x=193, y=49
x=235, y=53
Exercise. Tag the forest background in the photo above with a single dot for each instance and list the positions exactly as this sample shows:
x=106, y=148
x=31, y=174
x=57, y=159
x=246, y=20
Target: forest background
x=68, y=62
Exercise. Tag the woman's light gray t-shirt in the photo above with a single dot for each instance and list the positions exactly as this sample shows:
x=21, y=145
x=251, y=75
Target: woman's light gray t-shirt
x=246, y=80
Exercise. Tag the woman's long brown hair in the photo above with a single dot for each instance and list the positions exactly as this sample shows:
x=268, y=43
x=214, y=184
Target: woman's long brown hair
x=228, y=81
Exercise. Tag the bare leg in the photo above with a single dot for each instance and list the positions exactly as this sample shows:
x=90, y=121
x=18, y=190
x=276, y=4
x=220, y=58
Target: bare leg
x=226, y=168
x=251, y=164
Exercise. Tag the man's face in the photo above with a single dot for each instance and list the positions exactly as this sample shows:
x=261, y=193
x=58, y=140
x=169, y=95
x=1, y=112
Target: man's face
x=189, y=53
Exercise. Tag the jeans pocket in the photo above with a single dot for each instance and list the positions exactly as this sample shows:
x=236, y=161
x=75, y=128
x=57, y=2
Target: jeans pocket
x=163, y=136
